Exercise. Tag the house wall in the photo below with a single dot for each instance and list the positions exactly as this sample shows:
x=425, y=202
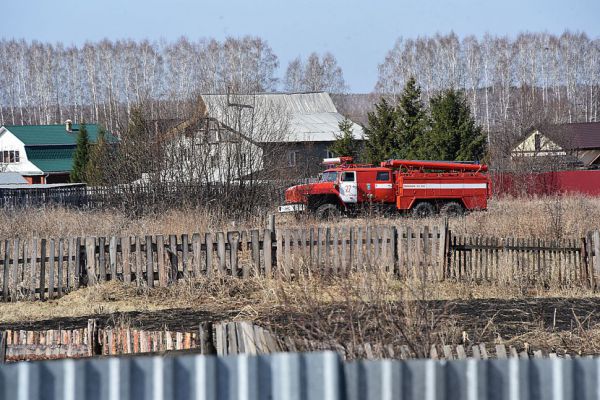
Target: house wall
x=8, y=141
x=308, y=159
x=193, y=160
x=527, y=147
x=35, y=179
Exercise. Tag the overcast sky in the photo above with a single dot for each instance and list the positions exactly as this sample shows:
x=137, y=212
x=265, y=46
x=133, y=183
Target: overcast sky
x=358, y=33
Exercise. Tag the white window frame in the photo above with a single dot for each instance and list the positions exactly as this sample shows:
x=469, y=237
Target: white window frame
x=7, y=155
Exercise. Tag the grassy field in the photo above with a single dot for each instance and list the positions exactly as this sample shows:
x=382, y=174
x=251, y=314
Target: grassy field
x=545, y=218
x=377, y=308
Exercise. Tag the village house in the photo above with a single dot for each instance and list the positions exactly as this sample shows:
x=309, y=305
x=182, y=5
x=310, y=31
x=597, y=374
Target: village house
x=205, y=150
x=294, y=130
x=574, y=145
x=235, y=138
x=42, y=153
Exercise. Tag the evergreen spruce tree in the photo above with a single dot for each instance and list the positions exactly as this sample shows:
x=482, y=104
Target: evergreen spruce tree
x=345, y=144
x=412, y=122
x=94, y=172
x=380, y=133
x=81, y=157
x=135, y=152
x=454, y=135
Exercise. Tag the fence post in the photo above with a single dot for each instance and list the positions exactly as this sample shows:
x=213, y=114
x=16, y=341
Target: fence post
x=206, y=338
x=395, y=255
x=92, y=338
x=90, y=252
x=274, y=249
x=3, y=336
x=271, y=224
x=584, y=261
x=589, y=259
x=596, y=250
x=443, y=249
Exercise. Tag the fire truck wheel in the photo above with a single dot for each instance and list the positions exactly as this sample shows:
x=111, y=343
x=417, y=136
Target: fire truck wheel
x=452, y=209
x=423, y=210
x=327, y=211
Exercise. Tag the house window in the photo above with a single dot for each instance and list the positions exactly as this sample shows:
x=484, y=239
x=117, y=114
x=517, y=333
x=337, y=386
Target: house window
x=292, y=158
x=9, y=156
x=537, y=142
x=329, y=154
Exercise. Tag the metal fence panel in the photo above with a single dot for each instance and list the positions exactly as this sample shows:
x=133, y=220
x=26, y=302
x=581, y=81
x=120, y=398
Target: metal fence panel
x=298, y=376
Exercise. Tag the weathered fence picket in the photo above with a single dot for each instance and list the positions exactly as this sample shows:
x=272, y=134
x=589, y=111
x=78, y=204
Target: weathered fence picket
x=40, y=268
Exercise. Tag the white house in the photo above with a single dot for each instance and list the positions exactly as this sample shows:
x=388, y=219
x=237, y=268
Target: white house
x=42, y=153
x=13, y=158
x=204, y=150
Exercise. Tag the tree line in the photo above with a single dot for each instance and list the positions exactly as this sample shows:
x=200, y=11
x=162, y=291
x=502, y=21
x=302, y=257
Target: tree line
x=43, y=83
x=509, y=84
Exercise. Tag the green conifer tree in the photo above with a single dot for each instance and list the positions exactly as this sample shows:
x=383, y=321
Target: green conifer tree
x=81, y=157
x=98, y=158
x=345, y=144
x=380, y=133
x=136, y=153
x=454, y=134
x=412, y=122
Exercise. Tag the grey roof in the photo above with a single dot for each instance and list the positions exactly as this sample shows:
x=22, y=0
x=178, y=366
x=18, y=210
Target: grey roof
x=311, y=117
x=11, y=178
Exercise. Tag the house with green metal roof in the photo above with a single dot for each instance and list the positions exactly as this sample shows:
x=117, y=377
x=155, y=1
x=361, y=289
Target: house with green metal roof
x=43, y=153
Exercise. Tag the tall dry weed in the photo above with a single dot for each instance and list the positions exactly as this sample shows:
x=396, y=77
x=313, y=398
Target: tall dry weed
x=545, y=218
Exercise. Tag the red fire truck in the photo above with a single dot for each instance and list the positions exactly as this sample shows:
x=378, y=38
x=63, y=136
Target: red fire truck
x=421, y=187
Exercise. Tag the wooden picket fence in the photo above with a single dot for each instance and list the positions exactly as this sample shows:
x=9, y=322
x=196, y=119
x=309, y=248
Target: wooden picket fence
x=218, y=338
x=48, y=268
x=527, y=262
x=223, y=338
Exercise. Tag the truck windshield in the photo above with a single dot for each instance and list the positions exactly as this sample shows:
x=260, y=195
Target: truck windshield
x=329, y=176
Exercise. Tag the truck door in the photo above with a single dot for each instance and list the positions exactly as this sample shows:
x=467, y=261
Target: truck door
x=348, y=187
x=384, y=189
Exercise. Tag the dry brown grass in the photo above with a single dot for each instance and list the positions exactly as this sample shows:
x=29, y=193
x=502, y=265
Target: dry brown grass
x=549, y=217
x=544, y=218
x=365, y=307
x=60, y=222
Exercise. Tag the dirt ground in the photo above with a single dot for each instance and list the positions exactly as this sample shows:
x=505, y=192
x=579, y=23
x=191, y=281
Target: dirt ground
x=544, y=323
x=358, y=309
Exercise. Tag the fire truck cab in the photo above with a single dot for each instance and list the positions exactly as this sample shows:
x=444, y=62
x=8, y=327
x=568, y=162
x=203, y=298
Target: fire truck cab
x=421, y=187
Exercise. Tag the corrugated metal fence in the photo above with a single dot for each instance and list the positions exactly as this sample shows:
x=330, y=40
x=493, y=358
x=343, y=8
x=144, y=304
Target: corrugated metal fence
x=310, y=376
